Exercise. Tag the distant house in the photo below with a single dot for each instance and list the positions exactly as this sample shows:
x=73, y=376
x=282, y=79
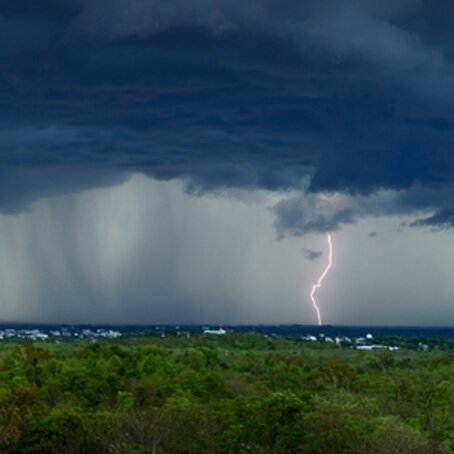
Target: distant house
x=214, y=331
x=376, y=347
x=342, y=340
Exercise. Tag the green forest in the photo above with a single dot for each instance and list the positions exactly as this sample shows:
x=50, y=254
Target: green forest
x=237, y=393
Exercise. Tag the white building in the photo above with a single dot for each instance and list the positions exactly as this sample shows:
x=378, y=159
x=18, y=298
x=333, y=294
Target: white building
x=214, y=331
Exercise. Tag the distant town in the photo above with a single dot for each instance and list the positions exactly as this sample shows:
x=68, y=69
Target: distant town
x=360, y=343
x=43, y=335
x=365, y=342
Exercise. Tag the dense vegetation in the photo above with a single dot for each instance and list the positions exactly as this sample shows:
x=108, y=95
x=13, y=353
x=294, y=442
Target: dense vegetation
x=238, y=393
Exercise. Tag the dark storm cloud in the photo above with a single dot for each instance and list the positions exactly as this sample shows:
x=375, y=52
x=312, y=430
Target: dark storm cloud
x=310, y=254
x=19, y=188
x=296, y=216
x=353, y=96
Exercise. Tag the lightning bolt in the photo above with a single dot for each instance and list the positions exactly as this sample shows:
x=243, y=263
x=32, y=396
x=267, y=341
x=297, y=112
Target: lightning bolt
x=316, y=286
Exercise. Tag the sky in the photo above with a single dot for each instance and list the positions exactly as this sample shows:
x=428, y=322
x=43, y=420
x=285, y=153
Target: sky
x=182, y=162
